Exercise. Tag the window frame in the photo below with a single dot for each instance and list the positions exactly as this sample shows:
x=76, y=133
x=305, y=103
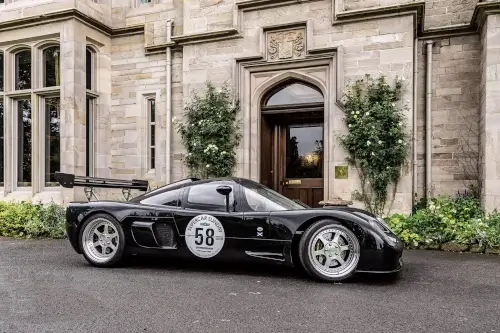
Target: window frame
x=290, y=108
x=15, y=72
x=151, y=127
x=4, y=146
x=91, y=106
x=43, y=135
x=15, y=151
x=42, y=64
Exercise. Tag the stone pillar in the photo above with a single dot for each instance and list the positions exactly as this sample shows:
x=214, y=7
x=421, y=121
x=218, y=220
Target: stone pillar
x=490, y=112
x=73, y=108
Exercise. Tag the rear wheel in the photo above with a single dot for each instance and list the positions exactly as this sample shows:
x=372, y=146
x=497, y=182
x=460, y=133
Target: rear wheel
x=329, y=251
x=102, y=241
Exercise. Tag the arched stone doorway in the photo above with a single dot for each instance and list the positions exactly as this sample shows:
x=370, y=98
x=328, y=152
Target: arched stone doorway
x=292, y=132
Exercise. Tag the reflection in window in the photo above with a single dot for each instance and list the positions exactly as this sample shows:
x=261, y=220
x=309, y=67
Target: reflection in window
x=52, y=140
x=51, y=66
x=89, y=70
x=168, y=198
x=1, y=71
x=23, y=70
x=295, y=93
x=152, y=117
x=206, y=194
x=89, y=137
x=24, y=143
x=304, y=152
x=2, y=145
x=262, y=199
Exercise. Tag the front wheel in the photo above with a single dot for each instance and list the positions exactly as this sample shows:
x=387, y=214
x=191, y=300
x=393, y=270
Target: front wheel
x=102, y=241
x=329, y=251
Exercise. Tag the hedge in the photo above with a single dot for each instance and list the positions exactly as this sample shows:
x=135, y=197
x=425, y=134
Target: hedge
x=454, y=224
x=32, y=220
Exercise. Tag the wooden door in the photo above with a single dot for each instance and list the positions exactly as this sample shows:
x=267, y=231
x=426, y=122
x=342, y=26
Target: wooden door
x=301, y=162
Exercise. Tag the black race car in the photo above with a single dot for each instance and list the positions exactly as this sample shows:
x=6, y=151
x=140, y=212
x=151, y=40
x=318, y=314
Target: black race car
x=230, y=218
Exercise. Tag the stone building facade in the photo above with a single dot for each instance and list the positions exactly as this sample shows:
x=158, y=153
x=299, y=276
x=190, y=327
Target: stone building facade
x=87, y=82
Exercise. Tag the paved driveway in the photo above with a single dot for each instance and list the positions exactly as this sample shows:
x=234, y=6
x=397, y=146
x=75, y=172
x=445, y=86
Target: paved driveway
x=46, y=287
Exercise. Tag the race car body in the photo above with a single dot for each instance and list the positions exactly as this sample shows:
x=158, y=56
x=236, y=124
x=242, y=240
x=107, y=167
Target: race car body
x=232, y=219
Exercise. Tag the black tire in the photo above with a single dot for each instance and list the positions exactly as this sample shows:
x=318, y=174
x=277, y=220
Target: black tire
x=87, y=252
x=306, y=258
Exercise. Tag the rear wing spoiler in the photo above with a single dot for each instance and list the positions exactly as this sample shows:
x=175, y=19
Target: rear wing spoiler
x=68, y=180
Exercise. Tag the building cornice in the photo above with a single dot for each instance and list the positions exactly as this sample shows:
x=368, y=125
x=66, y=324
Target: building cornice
x=417, y=9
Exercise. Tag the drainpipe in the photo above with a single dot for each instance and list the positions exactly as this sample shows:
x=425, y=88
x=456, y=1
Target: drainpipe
x=428, y=122
x=415, y=127
x=168, y=120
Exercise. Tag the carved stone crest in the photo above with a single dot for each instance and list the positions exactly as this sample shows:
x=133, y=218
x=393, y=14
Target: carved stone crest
x=286, y=44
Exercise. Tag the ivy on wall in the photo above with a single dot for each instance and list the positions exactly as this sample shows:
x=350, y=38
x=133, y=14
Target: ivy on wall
x=376, y=141
x=210, y=133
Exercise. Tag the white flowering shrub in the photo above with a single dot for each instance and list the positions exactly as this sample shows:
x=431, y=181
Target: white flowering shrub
x=377, y=143
x=210, y=133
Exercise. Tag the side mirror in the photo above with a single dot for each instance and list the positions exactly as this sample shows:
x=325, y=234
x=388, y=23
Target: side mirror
x=225, y=191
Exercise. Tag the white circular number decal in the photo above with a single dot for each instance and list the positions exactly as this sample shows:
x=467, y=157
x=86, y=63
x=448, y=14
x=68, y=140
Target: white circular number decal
x=204, y=236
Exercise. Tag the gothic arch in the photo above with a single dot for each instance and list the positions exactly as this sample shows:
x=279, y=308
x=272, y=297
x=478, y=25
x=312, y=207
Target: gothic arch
x=265, y=87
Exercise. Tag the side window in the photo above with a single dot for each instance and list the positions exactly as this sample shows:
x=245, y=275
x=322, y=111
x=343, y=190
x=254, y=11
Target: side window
x=206, y=196
x=259, y=203
x=168, y=198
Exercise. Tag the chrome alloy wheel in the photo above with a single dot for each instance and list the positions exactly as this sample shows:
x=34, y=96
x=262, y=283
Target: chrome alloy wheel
x=334, y=252
x=100, y=240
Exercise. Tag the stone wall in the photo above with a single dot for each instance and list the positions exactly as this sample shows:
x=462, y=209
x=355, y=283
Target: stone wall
x=369, y=47
x=437, y=12
x=135, y=77
x=490, y=110
x=456, y=77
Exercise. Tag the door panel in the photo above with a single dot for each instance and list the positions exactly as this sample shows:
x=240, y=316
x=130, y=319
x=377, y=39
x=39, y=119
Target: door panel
x=301, y=156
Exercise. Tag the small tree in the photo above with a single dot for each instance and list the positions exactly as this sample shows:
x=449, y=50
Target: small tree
x=210, y=134
x=376, y=142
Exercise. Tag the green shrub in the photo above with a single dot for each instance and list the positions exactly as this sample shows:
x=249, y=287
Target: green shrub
x=376, y=141
x=211, y=132
x=444, y=219
x=493, y=231
x=32, y=220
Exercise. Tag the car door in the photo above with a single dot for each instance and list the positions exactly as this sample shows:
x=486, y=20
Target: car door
x=203, y=221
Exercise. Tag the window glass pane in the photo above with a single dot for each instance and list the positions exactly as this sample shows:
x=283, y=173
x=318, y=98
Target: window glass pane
x=23, y=70
x=152, y=128
x=152, y=108
x=24, y=143
x=153, y=135
x=295, y=93
x=206, y=194
x=89, y=70
x=1, y=71
x=2, y=146
x=169, y=198
x=88, y=137
x=152, y=158
x=304, y=152
x=51, y=69
x=52, y=140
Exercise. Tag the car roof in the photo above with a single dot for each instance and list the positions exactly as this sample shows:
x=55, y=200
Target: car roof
x=190, y=181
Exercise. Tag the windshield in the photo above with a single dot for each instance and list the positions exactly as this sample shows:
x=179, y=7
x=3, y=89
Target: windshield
x=262, y=199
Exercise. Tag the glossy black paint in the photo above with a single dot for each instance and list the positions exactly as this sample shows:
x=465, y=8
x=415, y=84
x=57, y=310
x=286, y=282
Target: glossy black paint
x=151, y=227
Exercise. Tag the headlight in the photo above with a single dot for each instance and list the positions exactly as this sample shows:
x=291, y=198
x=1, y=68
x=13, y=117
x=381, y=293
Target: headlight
x=381, y=223
x=381, y=220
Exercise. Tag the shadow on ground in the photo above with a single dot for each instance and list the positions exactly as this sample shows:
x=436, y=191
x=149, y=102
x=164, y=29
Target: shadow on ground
x=251, y=269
